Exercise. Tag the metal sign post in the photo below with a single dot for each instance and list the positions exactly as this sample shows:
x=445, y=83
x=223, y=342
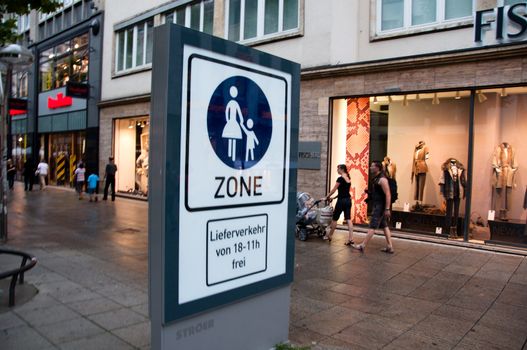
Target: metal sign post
x=224, y=139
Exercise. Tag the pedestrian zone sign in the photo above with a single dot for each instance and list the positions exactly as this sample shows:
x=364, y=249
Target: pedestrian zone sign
x=225, y=122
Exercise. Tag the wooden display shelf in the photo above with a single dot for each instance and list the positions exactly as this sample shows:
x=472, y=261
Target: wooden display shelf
x=423, y=223
x=511, y=232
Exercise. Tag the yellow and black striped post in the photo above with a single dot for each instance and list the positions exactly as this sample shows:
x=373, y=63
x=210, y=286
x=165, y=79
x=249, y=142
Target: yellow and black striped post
x=61, y=168
x=73, y=167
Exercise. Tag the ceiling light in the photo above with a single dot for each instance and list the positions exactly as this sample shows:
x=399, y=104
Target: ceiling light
x=20, y=139
x=405, y=101
x=481, y=97
x=390, y=100
x=130, y=124
x=503, y=93
x=458, y=95
x=435, y=100
x=417, y=98
x=375, y=100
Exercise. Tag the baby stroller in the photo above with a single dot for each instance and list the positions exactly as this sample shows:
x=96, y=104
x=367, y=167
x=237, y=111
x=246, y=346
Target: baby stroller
x=310, y=218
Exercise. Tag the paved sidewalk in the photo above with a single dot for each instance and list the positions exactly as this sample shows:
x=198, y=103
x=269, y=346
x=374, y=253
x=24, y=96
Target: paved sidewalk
x=92, y=282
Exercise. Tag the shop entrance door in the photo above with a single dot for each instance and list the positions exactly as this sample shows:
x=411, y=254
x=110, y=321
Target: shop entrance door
x=66, y=150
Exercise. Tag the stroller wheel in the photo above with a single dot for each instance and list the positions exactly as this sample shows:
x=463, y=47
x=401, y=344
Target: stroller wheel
x=302, y=235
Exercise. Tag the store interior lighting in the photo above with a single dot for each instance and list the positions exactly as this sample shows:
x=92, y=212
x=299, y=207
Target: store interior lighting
x=390, y=99
x=405, y=100
x=435, y=100
x=481, y=97
x=503, y=92
x=417, y=98
x=130, y=124
x=375, y=100
x=458, y=95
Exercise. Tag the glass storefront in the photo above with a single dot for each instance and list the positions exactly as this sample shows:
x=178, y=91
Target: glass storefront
x=63, y=152
x=20, y=152
x=427, y=142
x=131, y=150
x=65, y=62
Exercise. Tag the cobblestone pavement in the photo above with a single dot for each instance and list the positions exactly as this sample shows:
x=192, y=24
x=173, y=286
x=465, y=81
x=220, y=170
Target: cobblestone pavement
x=92, y=278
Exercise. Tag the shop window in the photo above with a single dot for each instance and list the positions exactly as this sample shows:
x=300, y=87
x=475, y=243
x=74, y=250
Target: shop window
x=64, y=62
x=260, y=19
x=401, y=15
x=134, y=46
x=500, y=201
x=131, y=155
x=422, y=139
x=198, y=16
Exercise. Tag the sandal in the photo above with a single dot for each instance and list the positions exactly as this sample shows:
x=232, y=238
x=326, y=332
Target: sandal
x=387, y=250
x=349, y=242
x=326, y=238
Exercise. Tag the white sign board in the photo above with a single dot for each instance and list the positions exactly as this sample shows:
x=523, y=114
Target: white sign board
x=235, y=156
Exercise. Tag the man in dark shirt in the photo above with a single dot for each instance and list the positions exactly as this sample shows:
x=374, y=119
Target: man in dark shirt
x=109, y=176
x=380, y=197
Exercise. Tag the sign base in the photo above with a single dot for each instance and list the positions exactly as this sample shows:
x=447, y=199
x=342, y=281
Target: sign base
x=259, y=322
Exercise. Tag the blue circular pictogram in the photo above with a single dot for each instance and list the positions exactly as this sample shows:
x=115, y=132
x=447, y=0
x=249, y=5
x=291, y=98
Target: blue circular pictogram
x=239, y=122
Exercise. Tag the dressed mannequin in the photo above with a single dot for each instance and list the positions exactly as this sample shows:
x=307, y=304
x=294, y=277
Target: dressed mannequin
x=389, y=167
x=451, y=183
x=505, y=166
x=419, y=170
x=141, y=166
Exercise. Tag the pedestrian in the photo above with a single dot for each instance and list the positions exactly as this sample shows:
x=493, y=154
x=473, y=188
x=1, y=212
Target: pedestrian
x=29, y=173
x=109, y=177
x=343, y=205
x=11, y=172
x=93, y=180
x=42, y=173
x=380, y=199
x=80, y=176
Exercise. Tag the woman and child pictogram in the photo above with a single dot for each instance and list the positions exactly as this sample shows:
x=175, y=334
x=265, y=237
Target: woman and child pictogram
x=233, y=128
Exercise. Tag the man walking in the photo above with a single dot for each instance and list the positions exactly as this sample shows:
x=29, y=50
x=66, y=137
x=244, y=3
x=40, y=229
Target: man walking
x=379, y=193
x=109, y=176
x=42, y=172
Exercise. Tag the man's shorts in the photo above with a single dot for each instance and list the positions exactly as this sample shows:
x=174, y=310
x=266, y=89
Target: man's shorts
x=378, y=220
x=343, y=205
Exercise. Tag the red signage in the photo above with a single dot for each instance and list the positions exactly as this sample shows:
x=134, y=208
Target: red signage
x=13, y=112
x=59, y=102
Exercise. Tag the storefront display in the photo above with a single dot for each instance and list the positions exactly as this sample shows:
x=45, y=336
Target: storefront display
x=452, y=185
x=419, y=170
x=504, y=165
x=429, y=201
x=131, y=151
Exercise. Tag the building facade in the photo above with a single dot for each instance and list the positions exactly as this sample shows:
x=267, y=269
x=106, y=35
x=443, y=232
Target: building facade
x=436, y=88
x=62, y=130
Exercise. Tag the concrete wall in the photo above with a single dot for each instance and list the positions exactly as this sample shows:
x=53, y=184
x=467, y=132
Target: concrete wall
x=131, y=84
x=341, y=32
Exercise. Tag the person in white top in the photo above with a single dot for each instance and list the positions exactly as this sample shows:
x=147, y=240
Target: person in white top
x=42, y=173
x=80, y=176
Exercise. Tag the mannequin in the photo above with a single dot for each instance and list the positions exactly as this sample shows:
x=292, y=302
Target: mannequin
x=419, y=170
x=505, y=166
x=141, y=166
x=389, y=167
x=451, y=183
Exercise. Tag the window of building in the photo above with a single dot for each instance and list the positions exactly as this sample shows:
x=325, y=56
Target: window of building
x=198, y=16
x=134, y=46
x=452, y=179
x=65, y=62
x=256, y=19
x=397, y=15
x=131, y=151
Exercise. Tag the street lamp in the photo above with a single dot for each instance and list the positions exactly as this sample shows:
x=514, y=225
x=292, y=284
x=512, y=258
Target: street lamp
x=12, y=57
